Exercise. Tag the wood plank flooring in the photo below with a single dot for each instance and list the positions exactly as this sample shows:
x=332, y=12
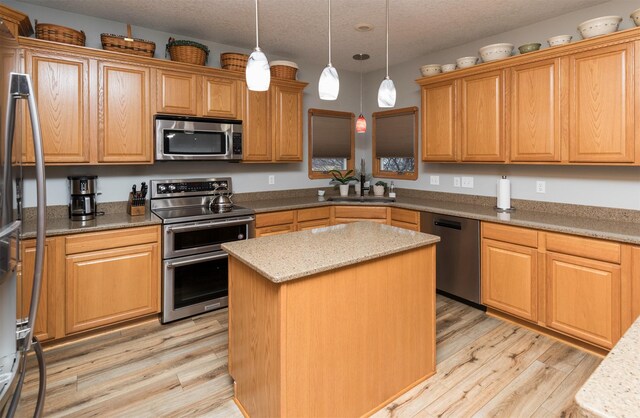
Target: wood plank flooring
x=485, y=368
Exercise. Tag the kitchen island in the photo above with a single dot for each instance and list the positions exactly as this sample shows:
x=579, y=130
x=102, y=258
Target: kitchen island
x=333, y=321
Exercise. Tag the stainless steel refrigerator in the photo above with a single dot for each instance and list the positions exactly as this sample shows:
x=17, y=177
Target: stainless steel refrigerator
x=16, y=331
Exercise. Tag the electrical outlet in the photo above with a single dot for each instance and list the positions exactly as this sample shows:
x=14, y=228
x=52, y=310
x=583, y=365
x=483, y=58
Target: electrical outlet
x=541, y=186
x=456, y=182
x=467, y=182
x=272, y=179
x=435, y=180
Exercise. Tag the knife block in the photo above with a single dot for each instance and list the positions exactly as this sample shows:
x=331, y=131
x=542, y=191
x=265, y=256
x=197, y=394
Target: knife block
x=136, y=207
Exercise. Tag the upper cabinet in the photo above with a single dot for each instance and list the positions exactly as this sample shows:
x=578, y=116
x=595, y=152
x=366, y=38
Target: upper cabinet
x=573, y=104
x=97, y=107
x=601, y=105
x=273, y=122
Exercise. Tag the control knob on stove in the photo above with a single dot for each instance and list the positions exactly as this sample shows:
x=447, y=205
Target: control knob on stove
x=172, y=187
x=162, y=188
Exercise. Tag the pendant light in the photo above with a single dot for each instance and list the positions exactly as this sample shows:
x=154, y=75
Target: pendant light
x=329, y=83
x=387, y=90
x=361, y=122
x=258, y=73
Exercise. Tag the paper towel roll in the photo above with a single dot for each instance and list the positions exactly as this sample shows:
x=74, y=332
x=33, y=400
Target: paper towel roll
x=504, y=193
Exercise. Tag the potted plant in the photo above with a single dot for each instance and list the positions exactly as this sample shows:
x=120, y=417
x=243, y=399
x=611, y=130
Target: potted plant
x=378, y=188
x=342, y=180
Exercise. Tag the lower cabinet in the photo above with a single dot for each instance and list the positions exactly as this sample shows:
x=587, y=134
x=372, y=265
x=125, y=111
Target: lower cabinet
x=404, y=218
x=93, y=279
x=347, y=214
x=577, y=286
x=313, y=218
x=275, y=223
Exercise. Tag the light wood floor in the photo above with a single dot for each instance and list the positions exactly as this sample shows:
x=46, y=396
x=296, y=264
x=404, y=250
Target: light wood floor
x=485, y=367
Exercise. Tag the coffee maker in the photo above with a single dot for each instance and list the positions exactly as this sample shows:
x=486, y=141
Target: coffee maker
x=82, y=199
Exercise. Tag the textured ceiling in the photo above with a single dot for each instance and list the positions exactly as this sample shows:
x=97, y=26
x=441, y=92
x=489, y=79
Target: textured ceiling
x=297, y=29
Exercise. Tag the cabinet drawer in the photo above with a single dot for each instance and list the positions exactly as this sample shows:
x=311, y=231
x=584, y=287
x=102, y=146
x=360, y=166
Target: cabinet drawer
x=584, y=247
x=405, y=215
x=406, y=225
x=93, y=241
x=318, y=223
x=274, y=218
x=512, y=234
x=274, y=230
x=360, y=212
x=314, y=213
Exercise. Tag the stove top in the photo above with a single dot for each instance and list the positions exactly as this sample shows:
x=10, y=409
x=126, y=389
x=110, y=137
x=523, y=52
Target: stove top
x=188, y=200
x=198, y=213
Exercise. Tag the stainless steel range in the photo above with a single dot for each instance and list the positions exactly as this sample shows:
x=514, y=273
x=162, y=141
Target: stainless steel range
x=195, y=272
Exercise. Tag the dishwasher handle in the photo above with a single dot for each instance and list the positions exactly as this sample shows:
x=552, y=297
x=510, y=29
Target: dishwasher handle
x=448, y=224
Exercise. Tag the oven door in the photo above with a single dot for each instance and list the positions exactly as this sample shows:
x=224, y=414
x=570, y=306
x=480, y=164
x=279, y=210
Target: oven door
x=194, y=285
x=203, y=236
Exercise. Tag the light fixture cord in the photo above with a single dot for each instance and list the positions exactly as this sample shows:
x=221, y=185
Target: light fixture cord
x=361, y=84
x=387, y=38
x=329, y=32
x=257, y=39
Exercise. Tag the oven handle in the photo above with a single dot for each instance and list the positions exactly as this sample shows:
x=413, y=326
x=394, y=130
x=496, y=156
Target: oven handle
x=174, y=264
x=232, y=222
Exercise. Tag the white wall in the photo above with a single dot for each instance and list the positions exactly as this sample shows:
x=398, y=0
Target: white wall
x=598, y=186
x=114, y=182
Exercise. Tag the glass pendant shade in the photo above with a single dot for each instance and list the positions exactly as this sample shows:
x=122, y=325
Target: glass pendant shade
x=329, y=83
x=361, y=124
x=387, y=93
x=258, y=73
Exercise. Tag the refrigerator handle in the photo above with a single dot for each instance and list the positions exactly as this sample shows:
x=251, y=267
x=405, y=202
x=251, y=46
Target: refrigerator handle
x=21, y=87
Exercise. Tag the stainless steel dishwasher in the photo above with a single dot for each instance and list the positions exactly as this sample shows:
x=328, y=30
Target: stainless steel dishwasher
x=457, y=254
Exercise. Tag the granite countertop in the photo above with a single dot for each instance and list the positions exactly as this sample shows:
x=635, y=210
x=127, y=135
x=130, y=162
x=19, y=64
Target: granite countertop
x=613, y=390
x=299, y=254
x=65, y=226
x=615, y=230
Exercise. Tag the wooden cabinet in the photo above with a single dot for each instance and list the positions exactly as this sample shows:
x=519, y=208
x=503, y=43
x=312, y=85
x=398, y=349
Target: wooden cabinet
x=583, y=298
x=536, y=112
x=602, y=105
x=124, y=126
x=221, y=97
x=576, y=286
x=440, y=140
x=62, y=90
x=633, y=273
x=111, y=277
x=573, y=104
x=482, y=117
x=275, y=223
x=313, y=218
x=404, y=218
x=187, y=93
x=346, y=214
x=176, y=92
x=510, y=270
x=273, y=122
x=52, y=290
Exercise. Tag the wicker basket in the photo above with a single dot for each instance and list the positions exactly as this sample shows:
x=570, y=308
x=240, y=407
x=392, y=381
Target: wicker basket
x=284, y=69
x=127, y=44
x=56, y=33
x=187, y=51
x=233, y=61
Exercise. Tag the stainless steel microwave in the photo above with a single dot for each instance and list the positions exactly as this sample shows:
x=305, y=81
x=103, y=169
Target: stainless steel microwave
x=185, y=138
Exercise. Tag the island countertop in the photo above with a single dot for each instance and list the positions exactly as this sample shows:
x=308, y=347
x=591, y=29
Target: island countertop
x=285, y=257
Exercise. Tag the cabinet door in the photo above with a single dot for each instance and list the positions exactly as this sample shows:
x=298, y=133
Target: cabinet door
x=274, y=230
x=61, y=84
x=176, y=92
x=257, y=142
x=583, y=298
x=287, y=118
x=439, y=128
x=601, y=103
x=635, y=283
x=220, y=97
x=509, y=278
x=48, y=306
x=482, y=119
x=109, y=286
x=124, y=134
x=535, y=112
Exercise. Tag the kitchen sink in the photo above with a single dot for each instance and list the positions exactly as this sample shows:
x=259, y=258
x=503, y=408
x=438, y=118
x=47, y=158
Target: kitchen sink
x=359, y=199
